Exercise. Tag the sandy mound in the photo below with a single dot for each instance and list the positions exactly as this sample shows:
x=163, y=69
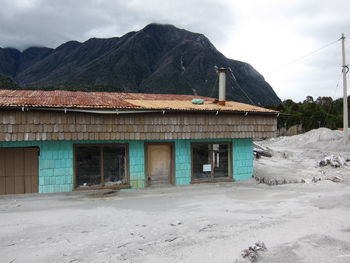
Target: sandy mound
x=321, y=138
x=297, y=158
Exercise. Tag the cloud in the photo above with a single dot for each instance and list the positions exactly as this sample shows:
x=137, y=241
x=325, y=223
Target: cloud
x=266, y=34
x=272, y=33
x=322, y=20
x=51, y=23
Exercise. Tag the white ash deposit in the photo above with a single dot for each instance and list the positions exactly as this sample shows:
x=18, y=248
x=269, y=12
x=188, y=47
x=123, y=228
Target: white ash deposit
x=319, y=154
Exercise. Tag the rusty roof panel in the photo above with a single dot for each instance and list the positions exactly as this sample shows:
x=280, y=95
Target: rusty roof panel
x=188, y=105
x=59, y=98
x=111, y=100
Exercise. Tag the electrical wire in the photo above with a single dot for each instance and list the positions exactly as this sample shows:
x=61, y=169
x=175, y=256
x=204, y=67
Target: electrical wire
x=303, y=57
x=336, y=87
x=236, y=82
x=212, y=91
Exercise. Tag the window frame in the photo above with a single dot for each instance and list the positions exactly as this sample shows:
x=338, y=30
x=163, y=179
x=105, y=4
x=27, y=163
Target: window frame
x=212, y=178
x=102, y=186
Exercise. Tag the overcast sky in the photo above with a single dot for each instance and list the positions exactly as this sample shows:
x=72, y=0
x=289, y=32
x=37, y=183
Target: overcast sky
x=267, y=34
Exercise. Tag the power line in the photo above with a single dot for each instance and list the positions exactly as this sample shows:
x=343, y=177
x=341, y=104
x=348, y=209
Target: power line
x=303, y=57
x=235, y=81
x=212, y=91
x=336, y=87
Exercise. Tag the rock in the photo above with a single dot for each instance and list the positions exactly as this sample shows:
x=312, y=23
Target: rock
x=251, y=253
x=334, y=161
x=335, y=179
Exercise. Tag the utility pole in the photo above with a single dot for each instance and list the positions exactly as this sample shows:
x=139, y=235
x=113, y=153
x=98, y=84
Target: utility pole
x=345, y=70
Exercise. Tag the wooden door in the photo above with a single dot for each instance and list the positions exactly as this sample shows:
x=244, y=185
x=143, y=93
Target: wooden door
x=18, y=170
x=159, y=164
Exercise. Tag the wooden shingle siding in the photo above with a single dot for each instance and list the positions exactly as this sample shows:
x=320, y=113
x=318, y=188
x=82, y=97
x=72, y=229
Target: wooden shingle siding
x=46, y=125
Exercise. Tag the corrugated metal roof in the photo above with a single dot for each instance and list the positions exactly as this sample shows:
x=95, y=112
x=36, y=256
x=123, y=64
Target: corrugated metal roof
x=188, y=105
x=111, y=100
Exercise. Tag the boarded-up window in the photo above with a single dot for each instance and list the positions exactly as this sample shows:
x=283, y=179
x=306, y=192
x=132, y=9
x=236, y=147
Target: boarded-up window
x=100, y=165
x=18, y=170
x=210, y=161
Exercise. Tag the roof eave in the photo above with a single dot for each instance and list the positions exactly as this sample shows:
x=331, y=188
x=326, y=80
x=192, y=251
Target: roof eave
x=106, y=110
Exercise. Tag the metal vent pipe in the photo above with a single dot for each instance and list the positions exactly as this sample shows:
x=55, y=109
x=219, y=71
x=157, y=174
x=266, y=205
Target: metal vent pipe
x=222, y=86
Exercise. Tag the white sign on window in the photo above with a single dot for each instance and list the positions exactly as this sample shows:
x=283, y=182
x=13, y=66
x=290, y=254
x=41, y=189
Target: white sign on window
x=206, y=167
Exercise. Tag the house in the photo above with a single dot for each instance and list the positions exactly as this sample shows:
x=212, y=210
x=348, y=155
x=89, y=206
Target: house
x=59, y=141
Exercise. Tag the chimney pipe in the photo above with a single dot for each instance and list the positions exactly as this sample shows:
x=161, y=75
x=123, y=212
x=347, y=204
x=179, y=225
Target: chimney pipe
x=222, y=86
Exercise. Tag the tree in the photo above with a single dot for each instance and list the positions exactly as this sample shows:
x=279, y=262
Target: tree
x=309, y=99
x=324, y=112
x=7, y=83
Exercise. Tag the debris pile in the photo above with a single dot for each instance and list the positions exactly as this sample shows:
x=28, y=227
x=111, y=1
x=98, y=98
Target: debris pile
x=317, y=138
x=251, y=254
x=334, y=161
x=314, y=156
x=334, y=179
x=261, y=151
x=277, y=181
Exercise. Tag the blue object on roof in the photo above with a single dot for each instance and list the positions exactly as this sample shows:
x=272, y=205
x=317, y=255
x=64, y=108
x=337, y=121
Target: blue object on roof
x=198, y=101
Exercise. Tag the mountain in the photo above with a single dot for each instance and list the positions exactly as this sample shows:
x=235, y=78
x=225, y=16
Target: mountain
x=156, y=59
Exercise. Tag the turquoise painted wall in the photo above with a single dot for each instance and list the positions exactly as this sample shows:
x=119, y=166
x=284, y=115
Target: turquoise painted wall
x=243, y=159
x=56, y=167
x=137, y=164
x=182, y=162
x=56, y=162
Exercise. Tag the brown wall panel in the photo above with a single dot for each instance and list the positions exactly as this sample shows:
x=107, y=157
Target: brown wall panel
x=28, y=184
x=44, y=125
x=2, y=164
x=35, y=183
x=10, y=185
x=31, y=165
x=19, y=185
x=19, y=170
x=18, y=163
x=2, y=185
x=9, y=162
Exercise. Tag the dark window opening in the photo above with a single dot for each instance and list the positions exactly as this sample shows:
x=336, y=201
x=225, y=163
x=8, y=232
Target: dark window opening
x=201, y=161
x=101, y=165
x=88, y=165
x=210, y=161
x=114, y=165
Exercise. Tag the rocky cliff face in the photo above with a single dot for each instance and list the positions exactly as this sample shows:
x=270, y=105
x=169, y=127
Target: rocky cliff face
x=156, y=59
